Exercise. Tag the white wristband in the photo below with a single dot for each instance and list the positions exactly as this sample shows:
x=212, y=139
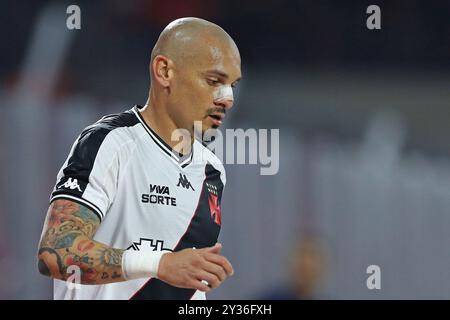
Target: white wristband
x=140, y=264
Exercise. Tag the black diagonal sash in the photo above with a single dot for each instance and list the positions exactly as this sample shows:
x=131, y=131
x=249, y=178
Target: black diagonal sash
x=201, y=232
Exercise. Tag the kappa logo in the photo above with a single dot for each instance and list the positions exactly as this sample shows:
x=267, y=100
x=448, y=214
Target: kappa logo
x=71, y=184
x=184, y=182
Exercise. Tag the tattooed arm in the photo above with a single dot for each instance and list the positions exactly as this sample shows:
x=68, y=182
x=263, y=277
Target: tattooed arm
x=67, y=241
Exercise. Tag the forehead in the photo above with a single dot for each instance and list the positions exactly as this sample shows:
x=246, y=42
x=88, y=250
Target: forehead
x=222, y=57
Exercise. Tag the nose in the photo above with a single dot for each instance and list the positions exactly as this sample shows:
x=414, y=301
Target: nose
x=224, y=103
x=224, y=97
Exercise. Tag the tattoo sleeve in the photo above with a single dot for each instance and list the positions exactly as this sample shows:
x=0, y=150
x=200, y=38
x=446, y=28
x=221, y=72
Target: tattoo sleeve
x=67, y=241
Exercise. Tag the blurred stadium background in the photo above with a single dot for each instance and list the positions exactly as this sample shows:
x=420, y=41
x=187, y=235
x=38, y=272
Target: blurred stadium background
x=364, y=136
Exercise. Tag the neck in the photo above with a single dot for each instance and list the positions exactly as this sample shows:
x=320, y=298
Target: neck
x=157, y=118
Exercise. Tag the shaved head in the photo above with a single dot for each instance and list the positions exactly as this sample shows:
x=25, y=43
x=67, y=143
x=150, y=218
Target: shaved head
x=194, y=67
x=189, y=40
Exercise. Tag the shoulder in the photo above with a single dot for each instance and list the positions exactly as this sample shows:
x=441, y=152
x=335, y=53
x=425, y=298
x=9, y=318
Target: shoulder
x=110, y=132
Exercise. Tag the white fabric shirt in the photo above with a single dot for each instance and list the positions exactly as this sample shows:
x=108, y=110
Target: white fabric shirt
x=147, y=197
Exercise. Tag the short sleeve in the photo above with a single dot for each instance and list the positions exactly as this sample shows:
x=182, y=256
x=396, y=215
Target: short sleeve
x=90, y=173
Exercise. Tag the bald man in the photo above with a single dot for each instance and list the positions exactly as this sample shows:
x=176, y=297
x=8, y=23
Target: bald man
x=136, y=209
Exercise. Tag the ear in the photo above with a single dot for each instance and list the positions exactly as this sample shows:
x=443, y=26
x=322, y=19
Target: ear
x=161, y=67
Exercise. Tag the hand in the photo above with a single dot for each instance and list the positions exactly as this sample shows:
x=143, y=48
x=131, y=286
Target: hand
x=188, y=267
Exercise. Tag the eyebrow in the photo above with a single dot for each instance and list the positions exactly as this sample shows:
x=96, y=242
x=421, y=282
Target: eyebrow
x=221, y=74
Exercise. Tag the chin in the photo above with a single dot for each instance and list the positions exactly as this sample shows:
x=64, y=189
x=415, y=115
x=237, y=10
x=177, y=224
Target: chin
x=206, y=125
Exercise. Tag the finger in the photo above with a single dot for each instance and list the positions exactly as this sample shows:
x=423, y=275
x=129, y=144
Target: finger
x=214, y=249
x=215, y=269
x=222, y=261
x=199, y=285
x=212, y=280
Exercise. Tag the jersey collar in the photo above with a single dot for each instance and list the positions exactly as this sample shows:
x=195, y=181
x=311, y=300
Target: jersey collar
x=181, y=160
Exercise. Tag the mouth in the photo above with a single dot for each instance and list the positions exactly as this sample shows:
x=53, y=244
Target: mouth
x=217, y=118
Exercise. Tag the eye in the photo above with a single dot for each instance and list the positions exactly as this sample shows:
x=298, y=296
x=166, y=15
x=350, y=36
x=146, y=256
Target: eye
x=213, y=82
x=234, y=84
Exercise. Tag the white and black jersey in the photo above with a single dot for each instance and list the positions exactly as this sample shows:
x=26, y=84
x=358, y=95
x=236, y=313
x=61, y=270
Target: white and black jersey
x=146, y=196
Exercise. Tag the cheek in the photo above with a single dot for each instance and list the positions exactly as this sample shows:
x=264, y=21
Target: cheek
x=200, y=99
x=192, y=99
x=188, y=92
